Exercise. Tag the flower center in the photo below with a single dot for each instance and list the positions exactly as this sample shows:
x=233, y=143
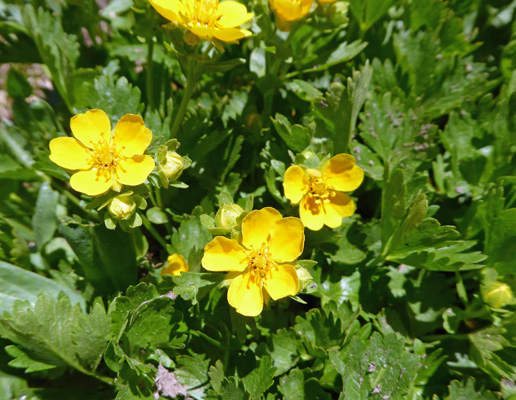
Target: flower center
x=318, y=188
x=204, y=12
x=260, y=263
x=105, y=157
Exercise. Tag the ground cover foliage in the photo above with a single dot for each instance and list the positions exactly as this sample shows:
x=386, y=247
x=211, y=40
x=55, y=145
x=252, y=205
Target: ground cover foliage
x=411, y=297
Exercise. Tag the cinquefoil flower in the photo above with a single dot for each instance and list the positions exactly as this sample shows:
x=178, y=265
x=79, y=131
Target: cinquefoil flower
x=176, y=264
x=207, y=19
x=104, y=161
x=319, y=191
x=291, y=10
x=261, y=266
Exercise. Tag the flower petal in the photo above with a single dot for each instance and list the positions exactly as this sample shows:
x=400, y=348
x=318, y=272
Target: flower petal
x=131, y=135
x=311, y=213
x=223, y=254
x=90, y=182
x=257, y=225
x=170, y=9
x=90, y=127
x=341, y=173
x=282, y=282
x=339, y=206
x=203, y=32
x=176, y=264
x=233, y=14
x=69, y=153
x=230, y=34
x=246, y=296
x=287, y=239
x=133, y=171
x=295, y=183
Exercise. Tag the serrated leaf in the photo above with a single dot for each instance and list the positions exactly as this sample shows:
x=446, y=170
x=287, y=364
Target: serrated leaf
x=296, y=136
x=260, y=378
x=17, y=284
x=284, y=350
x=378, y=368
x=52, y=332
x=116, y=97
x=189, y=284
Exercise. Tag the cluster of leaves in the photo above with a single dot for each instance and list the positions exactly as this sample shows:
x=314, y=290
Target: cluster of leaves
x=421, y=92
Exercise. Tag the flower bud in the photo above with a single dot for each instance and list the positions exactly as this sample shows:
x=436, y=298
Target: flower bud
x=122, y=207
x=338, y=13
x=173, y=165
x=497, y=294
x=176, y=264
x=227, y=216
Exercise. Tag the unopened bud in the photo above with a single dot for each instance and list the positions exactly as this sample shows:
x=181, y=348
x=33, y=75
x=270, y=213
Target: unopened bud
x=122, y=207
x=227, y=216
x=338, y=13
x=191, y=38
x=176, y=264
x=173, y=165
x=497, y=294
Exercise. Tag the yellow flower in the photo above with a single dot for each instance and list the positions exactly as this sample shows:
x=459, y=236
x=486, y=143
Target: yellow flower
x=319, y=191
x=260, y=267
x=291, y=10
x=176, y=264
x=104, y=161
x=207, y=19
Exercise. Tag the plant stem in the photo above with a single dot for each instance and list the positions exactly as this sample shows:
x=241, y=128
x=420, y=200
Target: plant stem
x=75, y=201
x=149, y=85
x=153, y=231
x=190, y=84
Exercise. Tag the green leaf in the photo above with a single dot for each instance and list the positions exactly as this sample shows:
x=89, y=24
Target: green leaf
x=284, y=350
x=294, y=386
x=107, y=258
x=193, y=373
x=44, y=220
x=393, y=203
x=257, y=62
x=116, y=97
x=304, y=90
x=156, y=216
x=369, y=11
x=321, y=330
x=377, y=368
x=501, y=246
x=192, y=286
x=295, y=136
x=338, y=110
x=54, y=333
x=261, y=378
x=17, y=85
x=17, y=284
x=460, y=391
x=58, y=49
x=191, y=249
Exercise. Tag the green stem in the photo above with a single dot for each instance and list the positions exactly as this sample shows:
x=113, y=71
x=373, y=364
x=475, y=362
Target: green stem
x=153, y=231
x=150, y=82
x=190, y=84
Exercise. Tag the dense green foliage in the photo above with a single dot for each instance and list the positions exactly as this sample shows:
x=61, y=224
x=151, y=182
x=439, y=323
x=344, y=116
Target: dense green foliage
x=411, y=298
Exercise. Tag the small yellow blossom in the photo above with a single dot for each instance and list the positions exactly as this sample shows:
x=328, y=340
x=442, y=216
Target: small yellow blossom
x=207, y=19
x=104, y=161
x=289, y=11
x=176, y=264
x=227, y=216
x=319, y=191
x=260, y=267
